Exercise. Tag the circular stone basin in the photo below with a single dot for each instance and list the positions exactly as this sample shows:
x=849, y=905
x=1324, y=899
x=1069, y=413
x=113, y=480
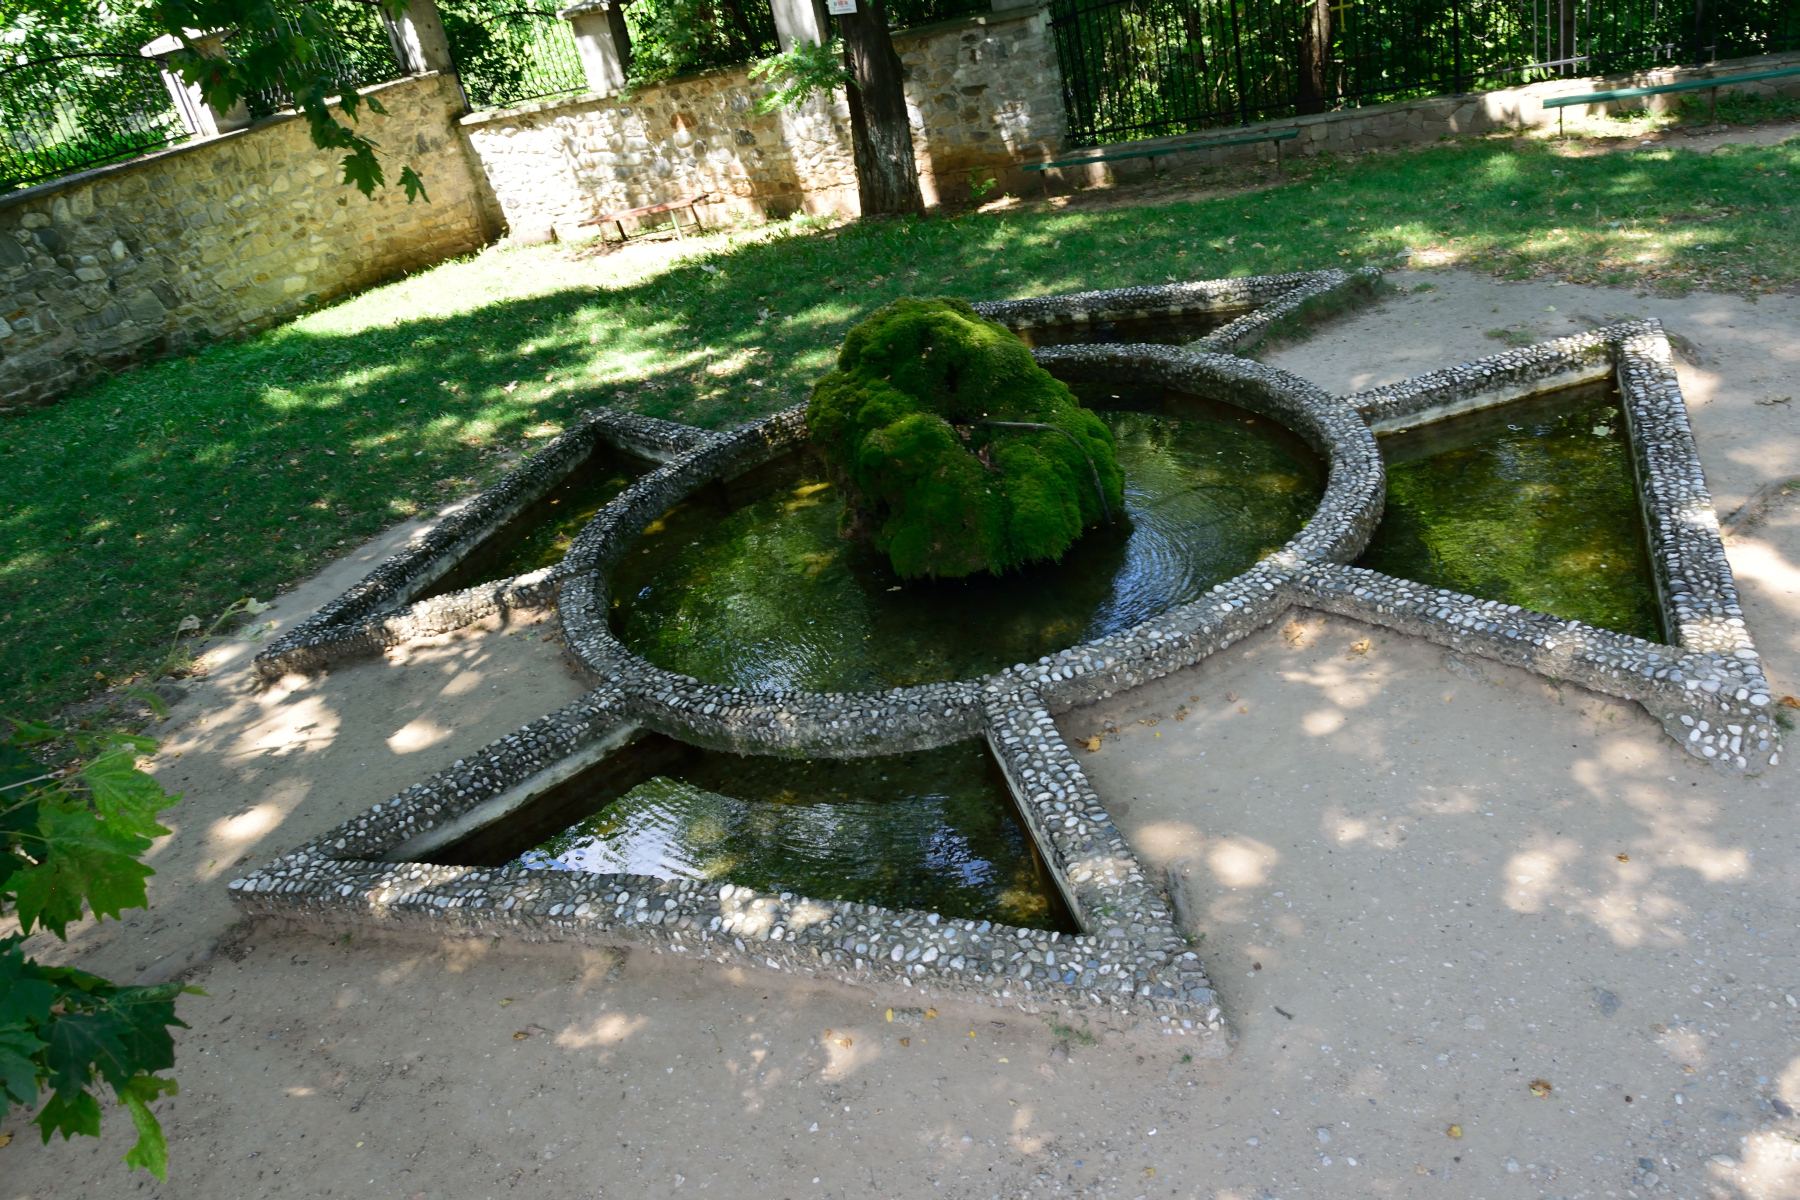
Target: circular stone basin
x=748, y=584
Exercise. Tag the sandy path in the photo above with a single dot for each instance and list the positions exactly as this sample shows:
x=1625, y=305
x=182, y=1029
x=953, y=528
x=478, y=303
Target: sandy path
x=1422, y=854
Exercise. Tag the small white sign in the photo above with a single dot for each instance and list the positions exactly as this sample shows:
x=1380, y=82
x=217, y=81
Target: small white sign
x=839, y=8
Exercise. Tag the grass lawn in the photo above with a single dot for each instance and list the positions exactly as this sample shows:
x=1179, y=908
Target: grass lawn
x=182, y=486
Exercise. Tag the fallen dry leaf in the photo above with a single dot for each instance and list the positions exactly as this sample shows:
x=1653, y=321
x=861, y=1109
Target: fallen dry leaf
x=844, y=1041
x=1092, y=743
x=1360, y=648
x=1541, y=1088
x=1454, y=1131
x=1790, y=701
x=906, y=1041
x=1623, y=857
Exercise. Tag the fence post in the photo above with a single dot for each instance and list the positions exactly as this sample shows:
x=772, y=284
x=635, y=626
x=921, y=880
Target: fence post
x=419, y=35
x=602, y=41
x=800, y=21
x=197, y=116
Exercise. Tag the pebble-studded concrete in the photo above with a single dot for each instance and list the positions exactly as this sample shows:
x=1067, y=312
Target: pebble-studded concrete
x=375, y=614
x=1708, y=690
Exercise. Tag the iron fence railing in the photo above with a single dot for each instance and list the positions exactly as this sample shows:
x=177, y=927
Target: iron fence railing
x=56, y=118
x=1151, y=68
x=108, y=102
x=508, y=55
x=360, y=50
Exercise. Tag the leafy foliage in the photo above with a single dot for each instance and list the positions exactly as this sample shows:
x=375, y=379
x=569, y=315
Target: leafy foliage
x=805, y=70
x=69, y=837
x=906, y=420
x=256, y=52
x=679, y=37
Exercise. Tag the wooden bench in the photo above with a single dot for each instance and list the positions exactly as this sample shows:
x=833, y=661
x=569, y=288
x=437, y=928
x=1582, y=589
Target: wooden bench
x=672, y=207
x=1687, y=85
x=1277, y=136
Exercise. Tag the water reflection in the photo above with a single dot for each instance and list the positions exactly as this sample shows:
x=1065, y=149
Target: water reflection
x=749, y=585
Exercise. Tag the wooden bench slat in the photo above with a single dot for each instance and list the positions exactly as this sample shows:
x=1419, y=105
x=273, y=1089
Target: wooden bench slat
x=1281, y=135
x=665, y=206
x=1686, y=85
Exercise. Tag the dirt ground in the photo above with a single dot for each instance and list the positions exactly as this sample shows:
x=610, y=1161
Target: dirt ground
x=1422, y=884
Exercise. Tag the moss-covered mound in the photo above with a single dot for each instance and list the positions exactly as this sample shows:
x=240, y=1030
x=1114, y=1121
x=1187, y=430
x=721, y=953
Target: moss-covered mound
x=901, y=422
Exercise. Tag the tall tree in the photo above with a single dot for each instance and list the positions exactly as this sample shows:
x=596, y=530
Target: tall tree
x=887, y=175
x=1315, y=56
x=864, y=64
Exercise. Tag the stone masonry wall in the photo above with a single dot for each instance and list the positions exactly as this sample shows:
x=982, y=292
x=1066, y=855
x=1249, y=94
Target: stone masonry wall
x=216, y=237
x=984, y=94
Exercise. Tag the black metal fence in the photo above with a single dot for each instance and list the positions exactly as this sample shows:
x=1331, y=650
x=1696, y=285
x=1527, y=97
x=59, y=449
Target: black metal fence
x=1150, y=68
x=55, y=119
x=508, y=55
x=66, y=114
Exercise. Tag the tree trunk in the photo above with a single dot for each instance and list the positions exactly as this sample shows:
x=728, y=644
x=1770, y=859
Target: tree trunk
x=1315, y=56
x=887, y=177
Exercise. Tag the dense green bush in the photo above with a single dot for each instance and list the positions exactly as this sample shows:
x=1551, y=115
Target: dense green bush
x=901, y=421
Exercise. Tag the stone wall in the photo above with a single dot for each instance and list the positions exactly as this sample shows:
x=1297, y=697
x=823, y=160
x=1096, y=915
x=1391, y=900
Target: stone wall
x=219, y=236
x=984, y=94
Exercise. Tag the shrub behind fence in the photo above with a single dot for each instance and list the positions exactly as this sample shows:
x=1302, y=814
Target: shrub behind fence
x=1151, y=68
x=66, y=114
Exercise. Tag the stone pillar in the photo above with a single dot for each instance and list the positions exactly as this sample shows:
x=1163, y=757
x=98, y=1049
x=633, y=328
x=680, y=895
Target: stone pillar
x=800, y=21
x=602, y=41
x=199, y=117
x=418, y=34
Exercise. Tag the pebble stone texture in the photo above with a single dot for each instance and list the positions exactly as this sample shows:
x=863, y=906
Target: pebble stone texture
x=379, y=611
x=1130, y=955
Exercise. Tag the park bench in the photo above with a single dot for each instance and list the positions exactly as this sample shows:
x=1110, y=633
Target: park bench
x=672, y=207
x=1687, y=85
x=1277, y=136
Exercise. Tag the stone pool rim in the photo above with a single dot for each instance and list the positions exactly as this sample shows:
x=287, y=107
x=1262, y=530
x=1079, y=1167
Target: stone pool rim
x=1707, y=689
x=1337, y=531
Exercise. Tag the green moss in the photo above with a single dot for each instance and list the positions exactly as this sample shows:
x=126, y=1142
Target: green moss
x=902, y=423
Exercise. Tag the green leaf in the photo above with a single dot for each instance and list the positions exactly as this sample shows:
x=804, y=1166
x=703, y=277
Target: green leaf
x=69, y=1115
x=30, y=733
x=25, y=1002
x=415, y=187
x=82, y=858
x=81, y=1043
x=361, y=171
x=152, y=1149
x=19, y=1072
x=126, y=797
x=17, y=768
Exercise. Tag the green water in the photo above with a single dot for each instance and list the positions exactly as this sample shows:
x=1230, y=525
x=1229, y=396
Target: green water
x=750, y=585
x=1532, y=504
x=539, y=536
x=931, y=830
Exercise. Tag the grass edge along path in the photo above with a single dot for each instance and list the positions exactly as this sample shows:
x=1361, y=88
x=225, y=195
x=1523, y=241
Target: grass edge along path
x=186, y=485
